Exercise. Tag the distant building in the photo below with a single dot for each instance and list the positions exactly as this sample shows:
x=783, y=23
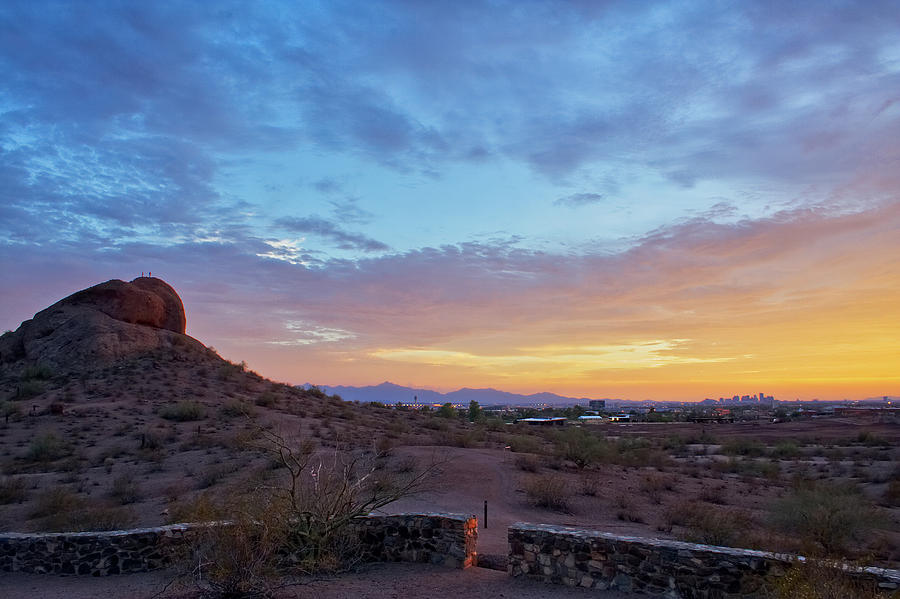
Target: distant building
x=542, y=421
x=591, y=419
x=620, y=418
x=597, y=404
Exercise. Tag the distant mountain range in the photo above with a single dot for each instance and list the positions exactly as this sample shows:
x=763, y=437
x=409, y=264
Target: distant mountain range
x=389, y=393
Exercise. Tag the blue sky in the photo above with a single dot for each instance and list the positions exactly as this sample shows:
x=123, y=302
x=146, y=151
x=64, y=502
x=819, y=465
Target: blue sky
x=261, y=157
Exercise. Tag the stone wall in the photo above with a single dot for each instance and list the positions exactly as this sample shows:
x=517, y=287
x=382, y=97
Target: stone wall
x=96, y=553
x=654, y=566
x=447, y=539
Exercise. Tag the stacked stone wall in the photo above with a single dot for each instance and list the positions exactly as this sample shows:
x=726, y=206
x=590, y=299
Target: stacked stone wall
x=672, y=569
x=447, y=539
x=444, y=539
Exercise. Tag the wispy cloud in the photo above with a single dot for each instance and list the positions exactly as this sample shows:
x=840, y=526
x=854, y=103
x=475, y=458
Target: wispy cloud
x=307, y=333
x=330, y=231
x=580, y=199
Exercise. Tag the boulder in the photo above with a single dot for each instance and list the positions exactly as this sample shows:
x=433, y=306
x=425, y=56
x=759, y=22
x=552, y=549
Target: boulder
x=99, y=325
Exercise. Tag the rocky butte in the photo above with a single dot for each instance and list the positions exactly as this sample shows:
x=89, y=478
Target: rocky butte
x=99, y=325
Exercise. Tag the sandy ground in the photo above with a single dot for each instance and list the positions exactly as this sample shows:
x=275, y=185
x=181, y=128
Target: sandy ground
x=379, y=581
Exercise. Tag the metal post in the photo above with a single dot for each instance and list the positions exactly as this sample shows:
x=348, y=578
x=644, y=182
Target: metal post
x=485, y=513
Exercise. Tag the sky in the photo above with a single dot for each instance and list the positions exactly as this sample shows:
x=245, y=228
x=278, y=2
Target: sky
x=645, y=200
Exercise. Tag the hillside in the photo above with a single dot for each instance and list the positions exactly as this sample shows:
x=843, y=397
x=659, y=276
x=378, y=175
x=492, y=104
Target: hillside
x=111, y=416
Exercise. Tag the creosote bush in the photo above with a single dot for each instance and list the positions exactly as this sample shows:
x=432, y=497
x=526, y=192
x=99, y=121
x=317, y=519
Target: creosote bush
x=12, y=490
x=125, y=489
x=580, y=446
x=47, y=448
x=825, y=517
x=183, y=411
x=548, y=491
x=823, y=580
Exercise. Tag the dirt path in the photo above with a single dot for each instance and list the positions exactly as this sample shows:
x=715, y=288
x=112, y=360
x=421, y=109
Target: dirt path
x=469, y=476
x=379, y=581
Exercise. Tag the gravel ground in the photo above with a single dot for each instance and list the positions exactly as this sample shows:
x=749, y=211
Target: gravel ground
x=378, y=581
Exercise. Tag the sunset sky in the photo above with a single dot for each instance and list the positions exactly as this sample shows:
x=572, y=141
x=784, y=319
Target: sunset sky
x=670, y=200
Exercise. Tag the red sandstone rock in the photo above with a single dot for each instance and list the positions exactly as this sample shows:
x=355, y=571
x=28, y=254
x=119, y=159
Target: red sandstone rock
x=99, y=325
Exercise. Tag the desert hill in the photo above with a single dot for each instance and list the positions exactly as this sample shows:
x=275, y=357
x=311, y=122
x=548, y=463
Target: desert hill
x=111, y=416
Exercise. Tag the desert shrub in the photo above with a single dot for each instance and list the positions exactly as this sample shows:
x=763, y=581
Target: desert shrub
x=55, y=501
x=590, y=484
x=716, y=526
x=823, y=580
x=47, y=448
x=240, y=559
x=704, y=438
x=407, y=465
x=235, y=408
x=494, y=424
x=99, y=517
x=743, y=447
x=785, y=450
x=553, y=462
x=40, y=372
x=124, y=489
x=8, y=409
x=384, y=446
x=316, y=392
x=266, y=399
x=682, y=514
x=548, y=491
x=434, y=424
x=458, y=439
x=28, y=389
x=12, y=490
x=447, y=411
x=654, y=485
x=891, y=495
x=580, y=446
x=230, y=370
x=675, y=445
x=872, y=440
x=183, y=411
x=626, y=511
x=825, y=517
x=528, y=463
x=154, y=440
x=213, y=475
x=524, y=444
x=712, y=494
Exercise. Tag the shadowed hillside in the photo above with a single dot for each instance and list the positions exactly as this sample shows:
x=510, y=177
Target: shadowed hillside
x=111, y=416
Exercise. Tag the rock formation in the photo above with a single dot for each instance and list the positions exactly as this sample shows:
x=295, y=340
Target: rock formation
x=99, y=325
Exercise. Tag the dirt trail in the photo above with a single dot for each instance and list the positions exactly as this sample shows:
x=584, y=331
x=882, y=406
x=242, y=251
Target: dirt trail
x=469, y=476
x=379, y=581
